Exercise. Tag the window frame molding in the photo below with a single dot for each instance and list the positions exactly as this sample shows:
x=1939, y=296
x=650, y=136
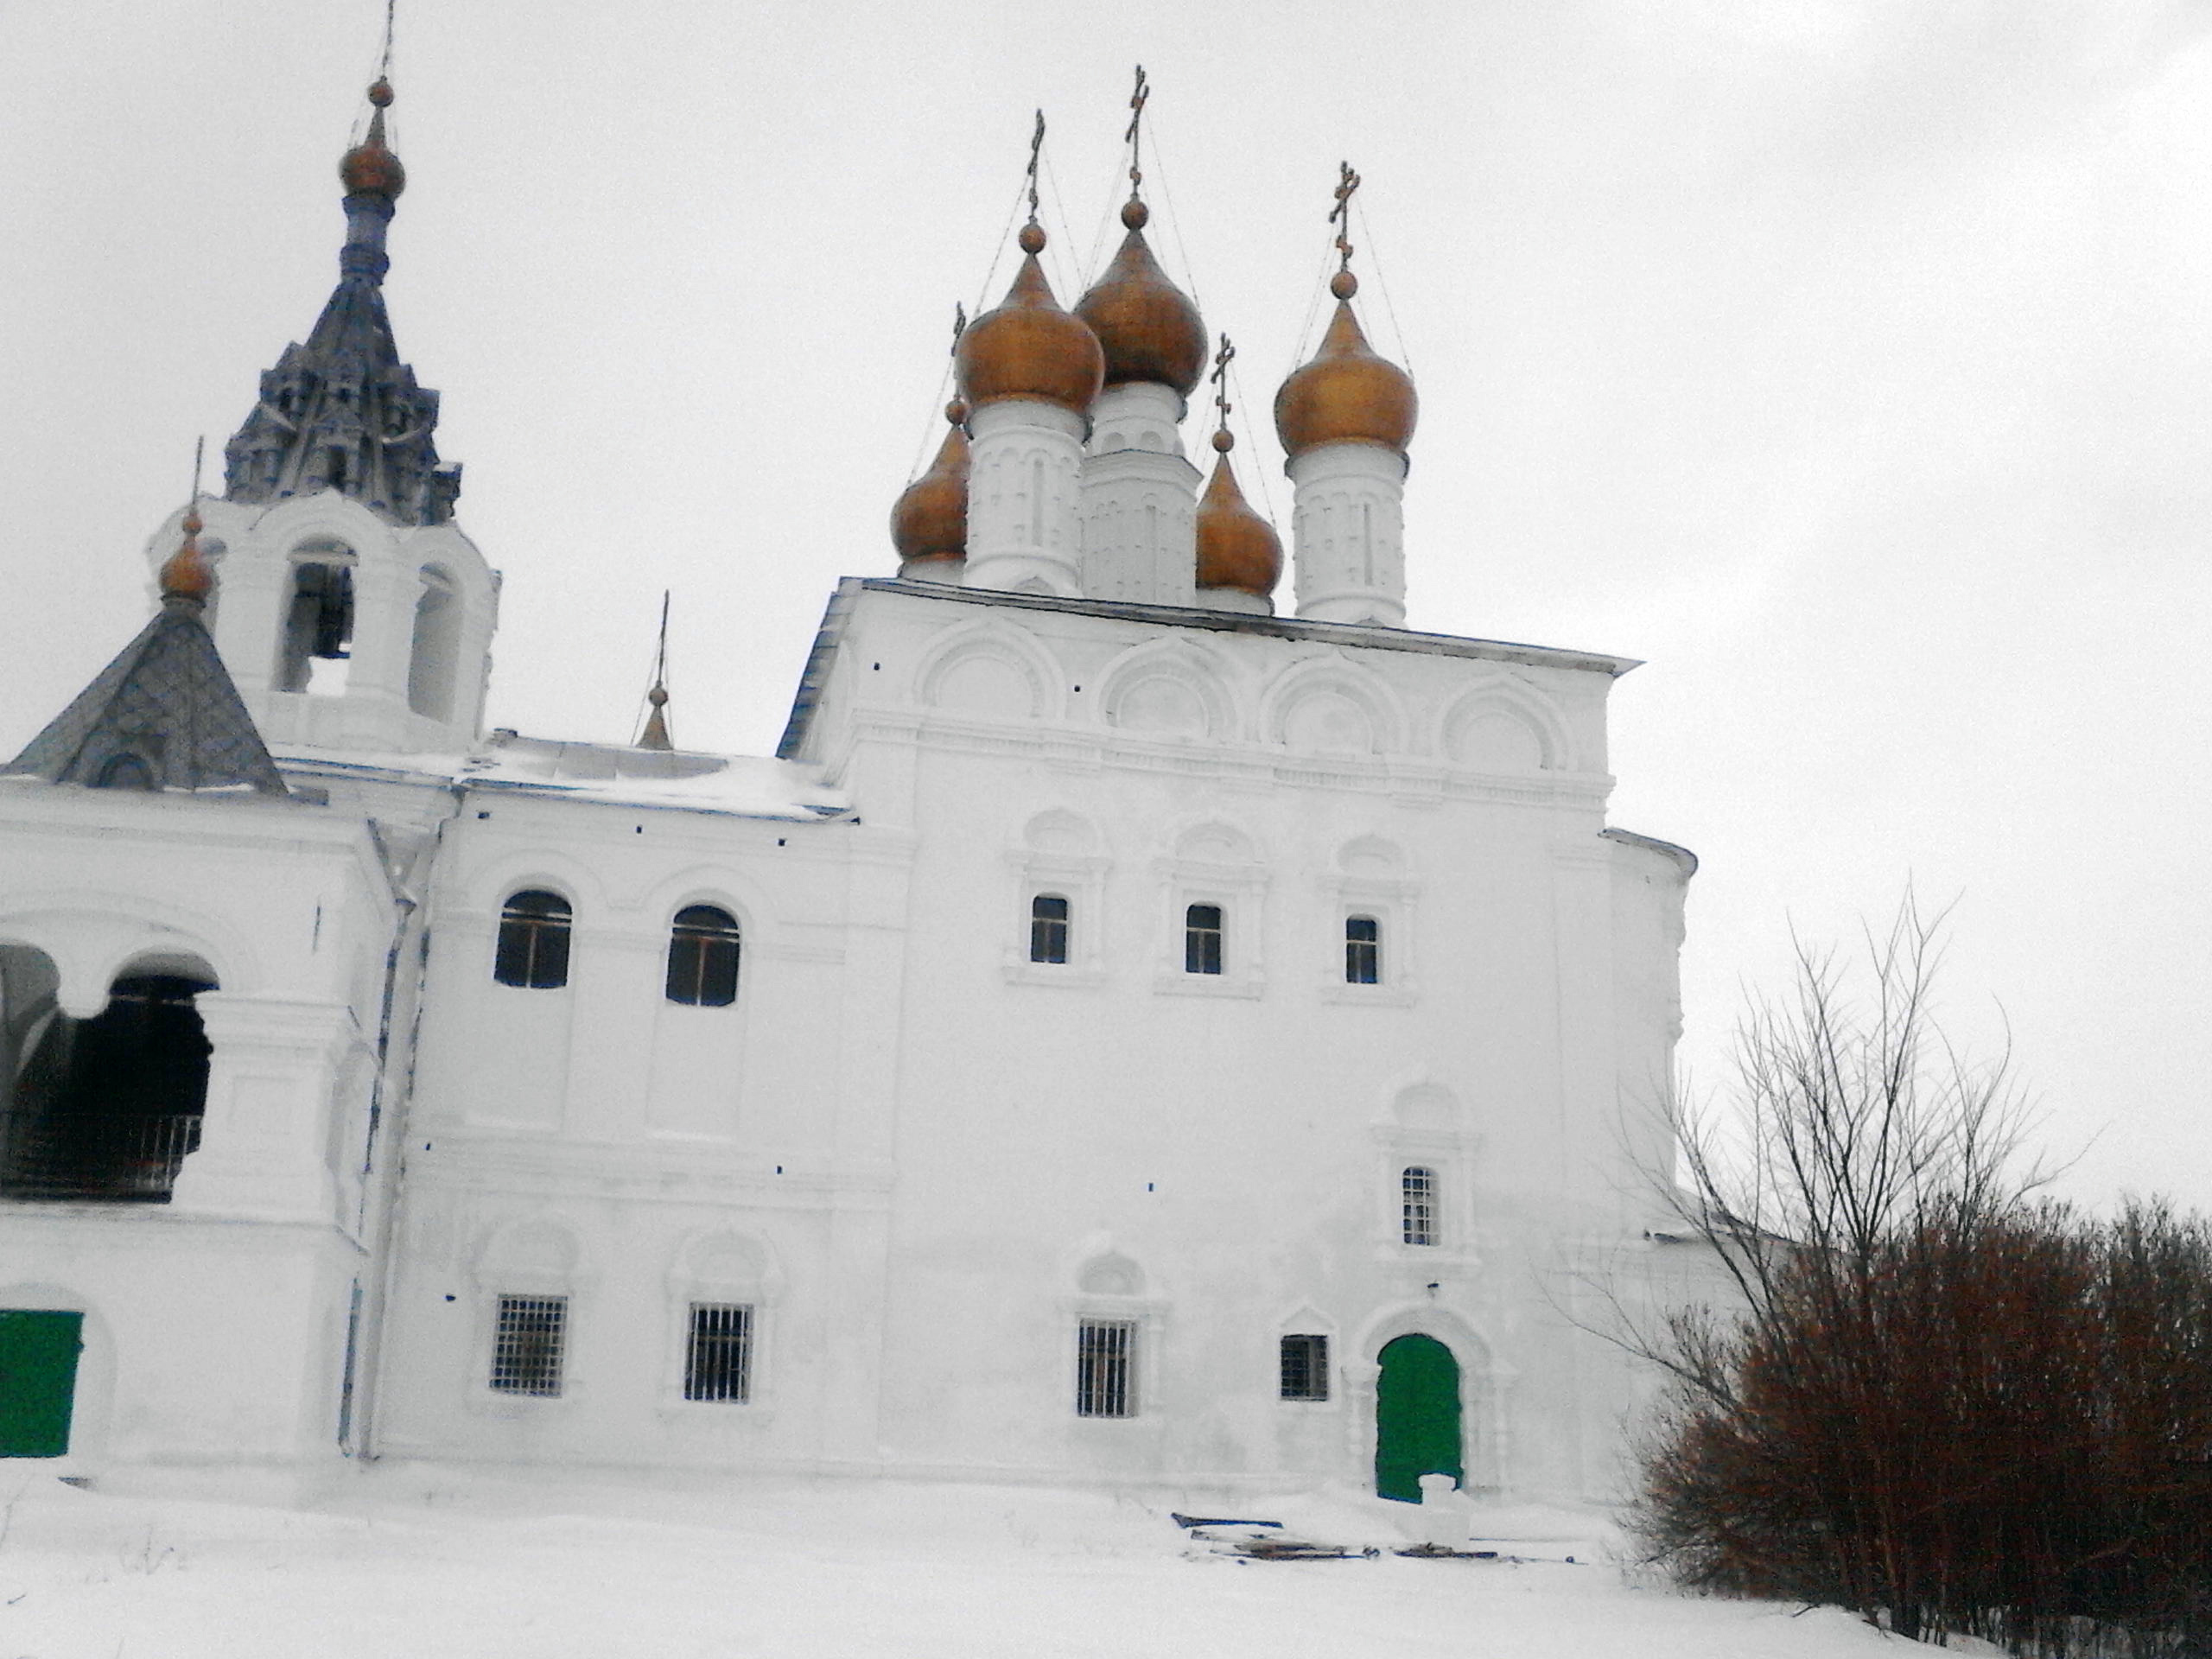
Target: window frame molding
x=1080, y=877
x=1146, y=1315
x=1452, y=1156
x=492, y=1277
x=1240, y=890
x=1390, y=901
x=762, y=1292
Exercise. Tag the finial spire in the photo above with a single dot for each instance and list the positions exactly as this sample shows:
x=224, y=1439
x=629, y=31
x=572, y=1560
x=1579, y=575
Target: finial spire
x=656, y=732
x=1344, y=284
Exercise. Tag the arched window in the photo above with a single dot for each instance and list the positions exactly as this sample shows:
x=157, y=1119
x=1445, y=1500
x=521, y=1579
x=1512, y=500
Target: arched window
x=1363, y=950
x=533, y=942
x=1048, y=928
x=703, y=958
x=1202, y=940
x=1417, y=1206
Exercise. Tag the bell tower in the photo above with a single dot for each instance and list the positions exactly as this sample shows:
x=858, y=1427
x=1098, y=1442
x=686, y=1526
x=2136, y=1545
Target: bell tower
x=352, y=611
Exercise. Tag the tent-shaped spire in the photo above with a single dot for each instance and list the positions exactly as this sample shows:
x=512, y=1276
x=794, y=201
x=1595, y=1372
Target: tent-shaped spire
x=343, y=412
x=164, y=715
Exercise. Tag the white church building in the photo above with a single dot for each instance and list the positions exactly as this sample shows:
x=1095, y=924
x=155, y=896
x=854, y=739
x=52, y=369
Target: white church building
x=1141, y=1028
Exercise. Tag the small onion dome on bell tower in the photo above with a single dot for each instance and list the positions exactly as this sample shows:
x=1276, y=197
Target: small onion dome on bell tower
x=186, y=574
x=929, y=520
x=370, y=169
x=1029, y=347
x=1346, y=393
x=1147, y=325
x=1236, y=548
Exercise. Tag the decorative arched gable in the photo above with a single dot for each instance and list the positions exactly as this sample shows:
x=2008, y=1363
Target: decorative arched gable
x=1330, y=706
x=1172, y=688
x=1503, y=727
x=988, y=671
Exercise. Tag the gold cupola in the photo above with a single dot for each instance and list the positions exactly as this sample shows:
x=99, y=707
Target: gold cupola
x=1029, y=347
x=1148, y=327
x=370, y=169
x=186, y=574
x=1346, y=393
x=929, y=523
x=1237, y=549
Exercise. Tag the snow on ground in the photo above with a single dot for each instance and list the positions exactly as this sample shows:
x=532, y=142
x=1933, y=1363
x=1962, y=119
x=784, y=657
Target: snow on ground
x=426, y=1561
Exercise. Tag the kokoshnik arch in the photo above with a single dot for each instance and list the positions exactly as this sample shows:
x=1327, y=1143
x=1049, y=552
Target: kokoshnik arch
x=1129, y=1033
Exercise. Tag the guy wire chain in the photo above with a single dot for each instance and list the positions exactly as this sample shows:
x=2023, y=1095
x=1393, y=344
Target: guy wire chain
x=1174, y=219
x=1383, y=281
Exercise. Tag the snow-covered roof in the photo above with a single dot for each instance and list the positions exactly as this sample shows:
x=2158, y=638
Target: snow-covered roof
x=738, y=785
x=730, y=785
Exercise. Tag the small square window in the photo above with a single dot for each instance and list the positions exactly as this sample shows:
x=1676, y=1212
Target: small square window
x=1048, y=928
x=1363, y=950
x=1305, y=1367
x=1202, y=940
x=527, y=1345
x=718, y=1365
x=1104, y=1384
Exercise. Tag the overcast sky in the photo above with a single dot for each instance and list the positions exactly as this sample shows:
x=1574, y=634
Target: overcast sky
x=1847, y=362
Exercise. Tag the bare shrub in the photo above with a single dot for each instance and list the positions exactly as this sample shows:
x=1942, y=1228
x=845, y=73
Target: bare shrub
x=1941, y=1403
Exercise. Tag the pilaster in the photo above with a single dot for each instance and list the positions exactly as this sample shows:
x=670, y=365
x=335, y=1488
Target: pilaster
x=264, y=1138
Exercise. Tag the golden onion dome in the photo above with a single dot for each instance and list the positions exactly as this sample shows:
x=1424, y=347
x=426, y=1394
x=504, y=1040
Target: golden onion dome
x=1346, y=393
x=370, y=167
x=1147, y=327
x=1029, y=347
x=1236, y=547
x=929, y=520
x=186, y=573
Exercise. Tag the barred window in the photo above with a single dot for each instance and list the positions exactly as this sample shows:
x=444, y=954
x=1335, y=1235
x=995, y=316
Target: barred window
x=526, y=1346
x=1417, y=1188
x=702, y=950
x=1105, y=1385
x=1363, y=950
x=1202, y=940
x=1048, y=928
x=720, y=1364
x=533, y=942
x=1306, y=1368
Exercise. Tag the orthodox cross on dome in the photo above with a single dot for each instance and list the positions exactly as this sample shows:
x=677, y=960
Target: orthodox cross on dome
x=1036, y=149
x=390, y=21
x=1222, y=359
x=1340, y=215
x=1133, y=136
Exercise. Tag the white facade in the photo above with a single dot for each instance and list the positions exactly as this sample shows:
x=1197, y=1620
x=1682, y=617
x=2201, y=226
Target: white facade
x=1145, y=1015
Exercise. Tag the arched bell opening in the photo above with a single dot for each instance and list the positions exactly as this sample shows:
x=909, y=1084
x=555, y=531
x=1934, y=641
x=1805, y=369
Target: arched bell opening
x=104, y=1109
x=317, y=646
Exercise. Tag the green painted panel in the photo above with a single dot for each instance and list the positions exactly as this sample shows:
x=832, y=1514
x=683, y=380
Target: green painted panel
x=38, y=1381
x=1416, y=1417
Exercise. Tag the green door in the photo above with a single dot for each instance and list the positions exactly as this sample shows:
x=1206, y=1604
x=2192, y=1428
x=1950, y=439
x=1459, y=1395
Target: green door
x=38, y=1381
x=1416, y=1417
